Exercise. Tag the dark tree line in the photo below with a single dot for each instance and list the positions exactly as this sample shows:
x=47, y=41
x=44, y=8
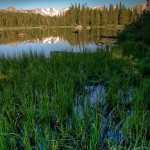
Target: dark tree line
x=9, y=19
x=138, y=30
x=76, y=15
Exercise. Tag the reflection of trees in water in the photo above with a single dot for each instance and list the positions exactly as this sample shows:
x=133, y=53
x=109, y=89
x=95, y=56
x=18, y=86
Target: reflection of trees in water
x=13, y=36
x=72, y=36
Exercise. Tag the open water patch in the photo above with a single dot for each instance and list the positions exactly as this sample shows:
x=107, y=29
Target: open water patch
x=95, y=98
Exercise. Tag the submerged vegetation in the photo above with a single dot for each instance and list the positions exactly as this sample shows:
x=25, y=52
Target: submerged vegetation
x=46, y=102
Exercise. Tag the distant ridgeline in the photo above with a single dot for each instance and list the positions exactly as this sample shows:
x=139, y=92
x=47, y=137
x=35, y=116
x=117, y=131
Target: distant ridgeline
x=76, y=15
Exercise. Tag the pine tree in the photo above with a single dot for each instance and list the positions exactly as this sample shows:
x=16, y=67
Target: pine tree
x=111, y=15
x=116, y=15
x=79, y=15
x=97, y=17
x=104, y=15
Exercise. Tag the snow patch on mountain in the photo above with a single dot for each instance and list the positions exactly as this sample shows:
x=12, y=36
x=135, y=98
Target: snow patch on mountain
x=50, y=11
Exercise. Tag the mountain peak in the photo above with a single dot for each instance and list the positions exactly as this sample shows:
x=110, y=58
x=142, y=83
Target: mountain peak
x=42, y=11
x=98, y=7
x=11, y=8
x=47, y=11
x=142, y=7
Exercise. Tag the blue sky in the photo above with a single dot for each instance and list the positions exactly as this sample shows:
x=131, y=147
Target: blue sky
x=30, y=4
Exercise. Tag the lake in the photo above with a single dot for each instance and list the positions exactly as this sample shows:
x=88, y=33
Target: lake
x=46, y=41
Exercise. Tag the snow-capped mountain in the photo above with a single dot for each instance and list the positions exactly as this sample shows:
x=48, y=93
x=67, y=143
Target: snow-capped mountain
x=98, y=7
x=41, y=11
x=46, y=11
x=50, y=11
x=141, y=7
x=63, y=11
x=11, y=9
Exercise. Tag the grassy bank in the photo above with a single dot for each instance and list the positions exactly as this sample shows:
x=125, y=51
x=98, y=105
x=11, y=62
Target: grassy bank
x=19, y=28
x=38, y=98
x=63, y=27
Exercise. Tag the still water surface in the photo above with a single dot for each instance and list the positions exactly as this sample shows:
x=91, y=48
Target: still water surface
x=47, y=41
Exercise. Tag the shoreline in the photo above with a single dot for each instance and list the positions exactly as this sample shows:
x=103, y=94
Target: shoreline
x=59, y=27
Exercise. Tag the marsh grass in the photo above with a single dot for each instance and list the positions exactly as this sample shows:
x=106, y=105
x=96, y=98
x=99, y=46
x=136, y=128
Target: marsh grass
x=37, y=99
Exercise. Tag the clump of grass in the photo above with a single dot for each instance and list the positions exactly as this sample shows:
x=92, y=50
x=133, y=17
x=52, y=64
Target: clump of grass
x=37, y=98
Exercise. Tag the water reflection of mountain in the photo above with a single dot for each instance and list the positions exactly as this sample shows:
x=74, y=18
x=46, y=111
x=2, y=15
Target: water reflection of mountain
x=52, y=36
x=48, y=40
x=52, y=40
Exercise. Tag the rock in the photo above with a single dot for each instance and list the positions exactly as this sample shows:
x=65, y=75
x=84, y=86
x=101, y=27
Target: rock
x=22, y=34
x=88, y=27
x=79, y=27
